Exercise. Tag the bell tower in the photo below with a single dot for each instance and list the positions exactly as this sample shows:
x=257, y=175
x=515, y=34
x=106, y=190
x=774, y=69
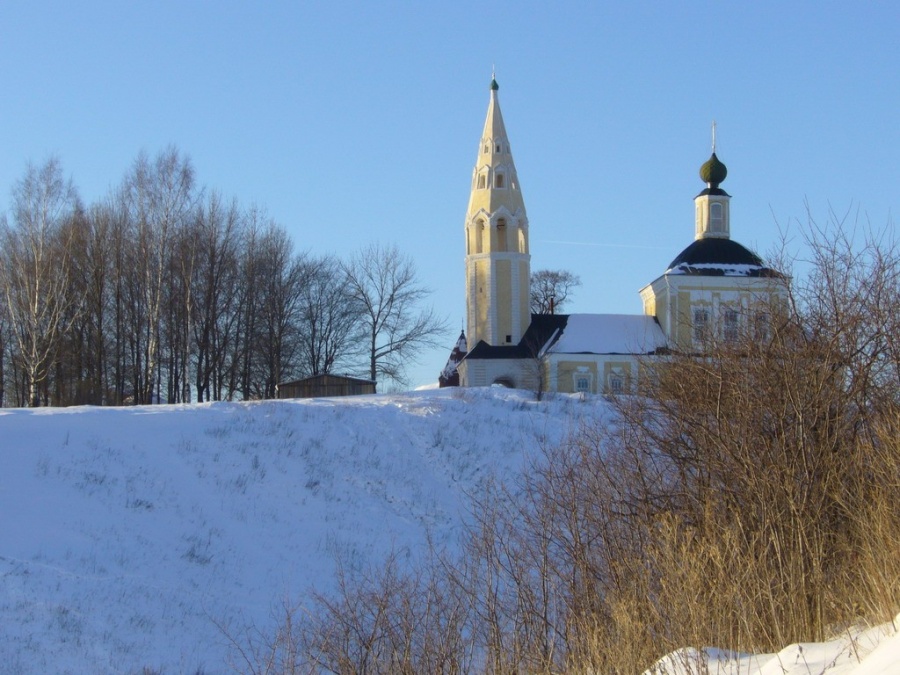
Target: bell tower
x=498, y=264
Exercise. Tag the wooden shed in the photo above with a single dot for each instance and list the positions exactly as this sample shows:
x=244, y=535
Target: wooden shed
x=325, y=385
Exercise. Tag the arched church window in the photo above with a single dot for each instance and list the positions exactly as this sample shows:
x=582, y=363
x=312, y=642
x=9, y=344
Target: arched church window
x=498, y=180
x=487, y=149
x=482, y=182
x=479, y=236
x=498, y=147
x=501, y=235
x=716, y=217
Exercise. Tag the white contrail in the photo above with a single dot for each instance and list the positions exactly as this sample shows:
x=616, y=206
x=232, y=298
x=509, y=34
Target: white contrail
x=594, y=243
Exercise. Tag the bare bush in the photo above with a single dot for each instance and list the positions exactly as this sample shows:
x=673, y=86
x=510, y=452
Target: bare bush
x=380, y=620
x=744, y=498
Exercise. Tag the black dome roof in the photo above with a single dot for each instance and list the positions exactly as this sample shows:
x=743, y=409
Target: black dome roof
x=719, y=257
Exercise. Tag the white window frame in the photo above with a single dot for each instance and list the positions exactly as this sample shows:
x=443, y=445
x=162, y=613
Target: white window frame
x=583, y=375
x=616, y=381
x=716, y=217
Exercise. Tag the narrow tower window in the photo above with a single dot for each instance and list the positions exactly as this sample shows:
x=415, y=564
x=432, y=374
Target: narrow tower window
x=498, y=180
x=482, y=182
x=479, y=236
x=716, y=217
x=501, y=235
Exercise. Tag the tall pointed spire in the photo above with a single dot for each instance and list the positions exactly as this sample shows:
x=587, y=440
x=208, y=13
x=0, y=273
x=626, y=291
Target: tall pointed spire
x=497, y=257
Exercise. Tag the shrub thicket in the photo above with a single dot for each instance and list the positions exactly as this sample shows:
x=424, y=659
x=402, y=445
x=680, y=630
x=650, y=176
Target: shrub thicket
x=745, y=497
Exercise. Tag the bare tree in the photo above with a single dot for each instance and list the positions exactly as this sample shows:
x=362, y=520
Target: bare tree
x=550, y=289
x=36, y=256
x=383, y=282
x=3, y=352
x=330, y=318
x=160, y=199
x=281, y=278
x=215, y=277
x=80, y=368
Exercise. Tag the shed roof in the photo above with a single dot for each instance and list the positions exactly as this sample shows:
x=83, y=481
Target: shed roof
x=323, y=376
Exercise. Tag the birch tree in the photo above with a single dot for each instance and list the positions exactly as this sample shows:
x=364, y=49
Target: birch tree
x=35, y=256
x=159, y=198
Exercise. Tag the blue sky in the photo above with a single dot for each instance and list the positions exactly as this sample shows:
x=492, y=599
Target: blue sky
x=356, y=122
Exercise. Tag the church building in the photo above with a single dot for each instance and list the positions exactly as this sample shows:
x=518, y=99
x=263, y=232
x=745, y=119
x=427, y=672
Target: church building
x=715, y=284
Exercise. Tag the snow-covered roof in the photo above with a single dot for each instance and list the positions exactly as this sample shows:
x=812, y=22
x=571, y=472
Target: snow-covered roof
x=719, y=257
x=719, y=269
x=449, y=376
x=610, y=334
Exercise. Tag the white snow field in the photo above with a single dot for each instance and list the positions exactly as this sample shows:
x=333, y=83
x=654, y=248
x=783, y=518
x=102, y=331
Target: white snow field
x=128, y=534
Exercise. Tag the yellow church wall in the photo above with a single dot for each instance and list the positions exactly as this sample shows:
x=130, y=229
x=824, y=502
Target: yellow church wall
x=650, y=307
x=524, y=295
x=483, y=293
x=564, y=371
x=503, y=292
x=683, y=322
x=745, y=295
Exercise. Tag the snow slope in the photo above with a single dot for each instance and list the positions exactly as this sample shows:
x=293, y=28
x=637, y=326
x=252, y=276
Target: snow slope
x=127, y=534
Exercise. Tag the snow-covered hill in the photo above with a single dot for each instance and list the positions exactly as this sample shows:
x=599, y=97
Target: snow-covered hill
x=128, y=534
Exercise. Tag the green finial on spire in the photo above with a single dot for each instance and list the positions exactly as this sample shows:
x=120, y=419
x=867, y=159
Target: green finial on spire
x=494, y=85
x=713, y=171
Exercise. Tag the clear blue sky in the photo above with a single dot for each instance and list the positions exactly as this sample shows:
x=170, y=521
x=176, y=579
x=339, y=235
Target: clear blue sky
x=354, y=122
